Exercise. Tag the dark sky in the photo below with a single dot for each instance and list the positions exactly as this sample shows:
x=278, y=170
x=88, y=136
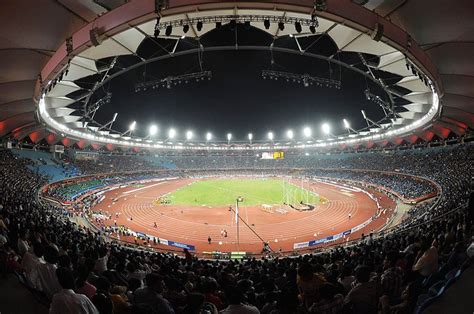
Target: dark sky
x=237, y=99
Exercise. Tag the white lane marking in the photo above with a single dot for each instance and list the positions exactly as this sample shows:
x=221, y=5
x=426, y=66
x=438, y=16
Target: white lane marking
x=145, y=187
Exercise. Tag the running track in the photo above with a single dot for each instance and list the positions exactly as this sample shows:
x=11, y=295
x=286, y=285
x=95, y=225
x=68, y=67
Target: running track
x=193, y=224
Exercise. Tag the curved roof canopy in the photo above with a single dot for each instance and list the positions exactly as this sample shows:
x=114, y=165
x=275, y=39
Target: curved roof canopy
x=40, y=45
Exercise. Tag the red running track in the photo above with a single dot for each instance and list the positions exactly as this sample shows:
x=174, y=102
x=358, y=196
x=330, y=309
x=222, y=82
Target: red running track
x=193, y=224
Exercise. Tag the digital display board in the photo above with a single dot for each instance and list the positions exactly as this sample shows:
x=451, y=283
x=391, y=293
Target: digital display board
x=273, y=155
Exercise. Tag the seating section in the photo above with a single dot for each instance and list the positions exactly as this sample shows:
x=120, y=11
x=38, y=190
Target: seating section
x=45, y=164
x=402, y=271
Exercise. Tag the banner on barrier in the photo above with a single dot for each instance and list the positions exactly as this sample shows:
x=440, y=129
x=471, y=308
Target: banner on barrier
x=141, y=235
x=300, y=245
x=182, y=245
x=335, y=237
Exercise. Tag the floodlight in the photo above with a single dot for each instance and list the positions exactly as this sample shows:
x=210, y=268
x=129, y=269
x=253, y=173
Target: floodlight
x=298, y=26
x=281, y=25
x=326, y=128
x=250, y=136
x=132, y=126
x=270, y=136
x=346, y=124
x=189, y=135
x=208, y=136
x=266, y=23
x=168, y=30
x=307, y=132
x=229, y=136
x=289, y=134
x=171, y=133
x=153, y=130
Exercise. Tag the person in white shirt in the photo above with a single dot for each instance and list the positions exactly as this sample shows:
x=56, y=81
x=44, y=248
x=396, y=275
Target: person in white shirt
x=22, y=243
x=47, y=278
x=66, y=300
x=101, y=263
x=30, y=263
x=236, y=305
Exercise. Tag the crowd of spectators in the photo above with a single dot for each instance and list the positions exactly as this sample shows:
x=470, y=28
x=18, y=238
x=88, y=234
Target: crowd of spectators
x=392, y=165
x=78, y=271
x=106, y=163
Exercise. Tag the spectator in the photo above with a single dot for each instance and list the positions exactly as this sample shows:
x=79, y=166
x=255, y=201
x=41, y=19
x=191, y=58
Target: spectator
x=330, y=303
x=47, y=278
x=427, y=261
x=363, y=296
x=308, y=284
x=149, y=299
x=236, y=299
x=66, y=300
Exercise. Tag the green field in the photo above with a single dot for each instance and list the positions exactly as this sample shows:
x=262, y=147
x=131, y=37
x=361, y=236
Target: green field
x=221, y=192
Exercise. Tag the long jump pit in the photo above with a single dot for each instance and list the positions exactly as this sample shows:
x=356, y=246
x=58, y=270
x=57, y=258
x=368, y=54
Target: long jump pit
x=162, y=210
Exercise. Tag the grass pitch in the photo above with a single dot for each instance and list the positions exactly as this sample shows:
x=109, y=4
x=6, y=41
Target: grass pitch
x=221, y=192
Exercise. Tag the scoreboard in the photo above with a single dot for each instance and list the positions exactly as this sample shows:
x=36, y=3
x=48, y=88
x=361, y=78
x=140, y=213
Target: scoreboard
x=273, y=155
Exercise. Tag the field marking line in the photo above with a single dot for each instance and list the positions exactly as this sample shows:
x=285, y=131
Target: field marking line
x=139, y=189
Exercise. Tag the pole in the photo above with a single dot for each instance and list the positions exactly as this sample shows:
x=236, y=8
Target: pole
x=250, y=228
x=237, y=224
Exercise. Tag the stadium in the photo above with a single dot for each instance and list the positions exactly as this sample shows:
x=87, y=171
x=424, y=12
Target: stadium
x=168, y=156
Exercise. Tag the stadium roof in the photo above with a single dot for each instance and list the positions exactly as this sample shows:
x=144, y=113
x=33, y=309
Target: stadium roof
x=29, y=40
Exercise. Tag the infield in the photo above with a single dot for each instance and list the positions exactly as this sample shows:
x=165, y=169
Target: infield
x=221, y=192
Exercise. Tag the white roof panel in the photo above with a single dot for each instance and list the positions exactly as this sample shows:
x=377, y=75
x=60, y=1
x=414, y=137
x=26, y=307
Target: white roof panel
x=63, y=88
x=414, y=84
x=58, y=112
x=130, y=38
x=108, y=48
x=410, y=115
x=390, y=58
x=148, y=27
x=415, y=107
x=343, y=35
x=77, y=72
x=422, y=98
x=366, y=44
x=57, y=102
x=398, y=67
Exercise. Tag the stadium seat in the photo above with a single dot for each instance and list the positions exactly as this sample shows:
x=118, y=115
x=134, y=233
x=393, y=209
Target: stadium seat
x=437, y=289
x=424, y=300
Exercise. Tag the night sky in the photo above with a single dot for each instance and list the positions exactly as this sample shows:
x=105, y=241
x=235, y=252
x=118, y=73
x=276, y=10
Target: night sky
x=237, y=99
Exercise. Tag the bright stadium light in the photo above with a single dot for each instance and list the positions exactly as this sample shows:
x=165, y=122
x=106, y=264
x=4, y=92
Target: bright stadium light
x=270, y=136
x=290, y=134
x=346, y=124
x=132, y=126
x=189, y=135
x=171, y=133
x=229, y=136
x=326, y=128
x=153, y=130
x=250, y=137
x=307, y=132
x=208, y=136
